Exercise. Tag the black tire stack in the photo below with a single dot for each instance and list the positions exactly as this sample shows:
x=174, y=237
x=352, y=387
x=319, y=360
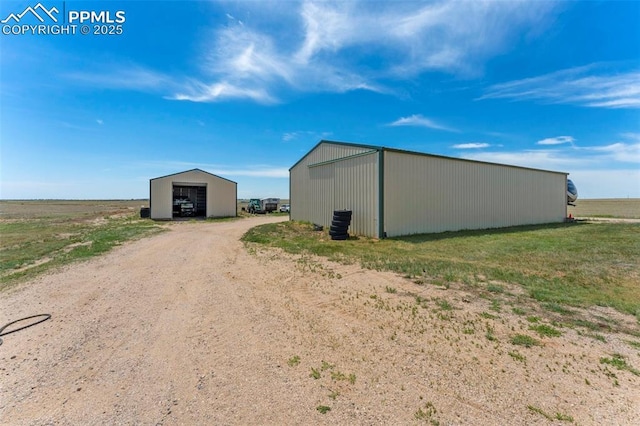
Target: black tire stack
x=340, y=224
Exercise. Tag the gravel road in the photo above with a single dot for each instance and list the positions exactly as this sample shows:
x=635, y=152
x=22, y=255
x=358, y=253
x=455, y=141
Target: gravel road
x=189, y=327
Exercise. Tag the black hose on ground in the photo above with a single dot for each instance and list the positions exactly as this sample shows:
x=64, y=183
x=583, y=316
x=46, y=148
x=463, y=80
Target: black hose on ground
x=3, y=333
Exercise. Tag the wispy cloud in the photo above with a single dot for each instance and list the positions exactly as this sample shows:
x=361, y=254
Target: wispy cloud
x=125, y=76
x=472, y=145
x=100, y=122
x=558, y=140
x=609, y=156
x=201, y=92
x=419, y=37
x=589, y=86
x=306, y=134
x=619, y=151
x=417, y=120
x=336, y=47
x=250, y=170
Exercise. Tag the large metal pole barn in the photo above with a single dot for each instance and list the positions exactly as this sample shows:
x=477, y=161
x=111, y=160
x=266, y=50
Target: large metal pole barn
x=393, y=192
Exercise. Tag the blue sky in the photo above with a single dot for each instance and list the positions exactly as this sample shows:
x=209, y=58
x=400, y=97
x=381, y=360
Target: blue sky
x=244, y=89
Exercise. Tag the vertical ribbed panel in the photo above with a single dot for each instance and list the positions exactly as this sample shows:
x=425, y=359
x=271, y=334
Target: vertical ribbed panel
x=432, y=194
x=356, y=189
x=347, y=183
x=161, y=198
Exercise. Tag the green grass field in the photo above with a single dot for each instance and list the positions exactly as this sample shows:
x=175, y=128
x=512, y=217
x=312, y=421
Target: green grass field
x=38, y=235
x=575, y=264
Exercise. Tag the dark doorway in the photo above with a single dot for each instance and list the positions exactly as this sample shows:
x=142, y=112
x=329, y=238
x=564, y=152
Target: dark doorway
x=189, y=200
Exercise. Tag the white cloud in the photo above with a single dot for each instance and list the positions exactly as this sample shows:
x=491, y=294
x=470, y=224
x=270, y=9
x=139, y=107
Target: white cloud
x=336, y=46
x=619, y=151
x=536, y=159
x=418, y=120
x=472, y=145
x=558, y=140
x=321, y=46
x=434, y=36
x=200, y=92
x=129, y=77
x=589, y=86
x=306, y=134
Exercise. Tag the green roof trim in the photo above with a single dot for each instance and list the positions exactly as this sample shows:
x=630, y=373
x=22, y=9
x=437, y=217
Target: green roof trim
x=401, y=151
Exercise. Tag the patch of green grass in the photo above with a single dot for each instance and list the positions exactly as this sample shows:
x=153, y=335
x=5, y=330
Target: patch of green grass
x=524, y=340
x=618, y=361
x=30, y=247
x=557, y=308
x=323, y=409
x=315, y=374
x=563, y=266
x=427, y=414
x=326, y=366
x=518, y=311
x=489, y=334
x=594, y=336
x=390, y=290
x=337, y=375
x=495, y=305
x=444, y=305
x=557, y=416
x=495, y=288
x=293, y=361
x=517, y=356
x=633, y=343
x=545, y=330
x=584, y=323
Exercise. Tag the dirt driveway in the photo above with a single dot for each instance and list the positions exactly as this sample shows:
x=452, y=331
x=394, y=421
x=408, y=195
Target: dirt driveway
x=190, y=328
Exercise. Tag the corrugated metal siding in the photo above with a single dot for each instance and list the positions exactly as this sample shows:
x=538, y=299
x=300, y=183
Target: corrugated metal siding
x=221, y=194
x=429, y=194
x=349, y=183
x=161, y=197
x=221, y=198
x=328, y=151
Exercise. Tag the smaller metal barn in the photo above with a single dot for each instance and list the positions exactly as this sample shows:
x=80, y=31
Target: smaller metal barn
x=193, y=193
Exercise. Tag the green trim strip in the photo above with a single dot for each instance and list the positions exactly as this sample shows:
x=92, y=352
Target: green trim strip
x=348, y=157
x=381, y=233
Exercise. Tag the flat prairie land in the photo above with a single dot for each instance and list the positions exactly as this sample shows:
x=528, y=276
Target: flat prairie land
x=628, y=208
x=264, y=321
x=67, y=209
x=36, y=235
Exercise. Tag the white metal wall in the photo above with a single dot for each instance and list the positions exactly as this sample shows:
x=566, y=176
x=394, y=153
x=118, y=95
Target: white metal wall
x=221, y=194
x=425, y=194
x=221, y=197
x=334, y=177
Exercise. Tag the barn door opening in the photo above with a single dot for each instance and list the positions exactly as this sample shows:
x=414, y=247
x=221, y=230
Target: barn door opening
x=189, y=200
